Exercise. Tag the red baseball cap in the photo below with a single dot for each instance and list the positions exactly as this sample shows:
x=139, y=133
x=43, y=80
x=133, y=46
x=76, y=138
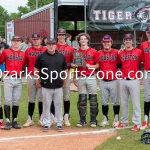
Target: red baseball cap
x=107, y=38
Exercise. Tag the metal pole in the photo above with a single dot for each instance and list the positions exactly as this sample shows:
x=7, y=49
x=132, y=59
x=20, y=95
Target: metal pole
x=55, y=18
x=134, y=38
x=85, y=19
x=36, y=4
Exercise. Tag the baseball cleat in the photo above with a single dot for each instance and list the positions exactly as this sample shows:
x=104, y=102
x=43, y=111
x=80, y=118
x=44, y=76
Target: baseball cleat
x=59, y=129
x=115, y=124
x=121, y=126
x=7, y=126
x=15, y=125
x=80, y=124
x=135, y=128
x=144, y=125
x=2, y=126
x=93, y=124
x=28, y=123
x=104, y=123
x=66, y=120
x=45, y=129
x=40, y=123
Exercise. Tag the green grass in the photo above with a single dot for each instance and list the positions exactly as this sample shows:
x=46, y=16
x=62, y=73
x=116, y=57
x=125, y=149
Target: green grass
x=130, y=140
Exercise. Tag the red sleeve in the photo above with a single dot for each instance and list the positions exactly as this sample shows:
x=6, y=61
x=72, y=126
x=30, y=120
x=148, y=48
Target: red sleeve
x=141, y=47
x=71, y=56
x=2, y=57
x=26, y=58
x=119, y=59
x=96, y=57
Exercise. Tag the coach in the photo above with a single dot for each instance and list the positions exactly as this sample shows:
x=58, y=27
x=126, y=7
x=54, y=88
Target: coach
x=50, y=64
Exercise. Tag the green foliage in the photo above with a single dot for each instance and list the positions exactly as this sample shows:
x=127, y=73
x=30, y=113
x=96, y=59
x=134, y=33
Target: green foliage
x=3, y=17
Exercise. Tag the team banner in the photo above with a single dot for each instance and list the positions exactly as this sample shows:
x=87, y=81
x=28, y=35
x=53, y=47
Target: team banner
x=119, y=14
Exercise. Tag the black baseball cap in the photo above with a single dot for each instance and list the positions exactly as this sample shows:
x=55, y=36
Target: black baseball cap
x=61, y=31
x=128, y=36
x=16, y=38
x=36, y=35
x=51, y=41
x=148, y=29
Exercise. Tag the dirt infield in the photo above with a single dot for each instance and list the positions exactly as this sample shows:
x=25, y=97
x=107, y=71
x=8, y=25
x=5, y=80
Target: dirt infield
x=71, y=138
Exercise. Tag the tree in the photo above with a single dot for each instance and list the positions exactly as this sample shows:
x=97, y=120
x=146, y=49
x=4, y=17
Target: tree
x=32, y=3
x=3, y=18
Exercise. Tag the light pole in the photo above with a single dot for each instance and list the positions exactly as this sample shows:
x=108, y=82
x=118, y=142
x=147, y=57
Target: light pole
x=85, y=19
x=36, y=4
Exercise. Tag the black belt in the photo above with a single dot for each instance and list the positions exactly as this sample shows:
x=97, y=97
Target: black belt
x=14, y=76
x=129, y=78
x=107, y=80
x=85, y=75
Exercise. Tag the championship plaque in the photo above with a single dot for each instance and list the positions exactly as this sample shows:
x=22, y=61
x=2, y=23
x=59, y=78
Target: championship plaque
x=78, y=59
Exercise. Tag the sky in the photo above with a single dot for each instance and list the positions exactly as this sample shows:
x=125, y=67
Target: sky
x=12, y=5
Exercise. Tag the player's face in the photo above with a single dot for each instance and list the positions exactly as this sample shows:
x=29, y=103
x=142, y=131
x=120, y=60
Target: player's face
x=83, y=41
x=148, y=34
x=15, y=44
x=128, y=43
x=107, y=45
x=36, y=42
x=61, y=37
x=51, y=47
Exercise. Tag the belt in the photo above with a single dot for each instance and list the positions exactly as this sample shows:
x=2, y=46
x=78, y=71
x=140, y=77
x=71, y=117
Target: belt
x=14, y=76
x=129, y=78
x=85, y=75
x=107, y=80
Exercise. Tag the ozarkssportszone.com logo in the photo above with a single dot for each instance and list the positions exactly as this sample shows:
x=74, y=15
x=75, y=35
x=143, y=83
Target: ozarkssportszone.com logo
x=143, y=15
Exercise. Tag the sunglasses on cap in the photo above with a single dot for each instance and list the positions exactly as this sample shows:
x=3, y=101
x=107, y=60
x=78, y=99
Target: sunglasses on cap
x=61, y=34
x=35, y=39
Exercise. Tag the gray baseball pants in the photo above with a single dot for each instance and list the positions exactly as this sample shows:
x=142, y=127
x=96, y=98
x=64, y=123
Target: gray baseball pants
x=33, y=90
x=130, y=88
x=109, y=90
x=56, y=96
x=12, y=91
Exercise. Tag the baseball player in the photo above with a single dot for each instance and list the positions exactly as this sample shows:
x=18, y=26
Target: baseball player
x=130, y=59
x=30, y=58
x=52, y=60
x=1, y=74
x=67, y=51
x=108, y=62
x=14, y=59
x=87, y=84
x=145, y=47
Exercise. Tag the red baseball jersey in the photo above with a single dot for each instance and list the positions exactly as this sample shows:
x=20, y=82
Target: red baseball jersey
x=14, y=60
x=145, y=47
x=66, y=50
x=130, y=60
x=30, y=57
x=90, y=58
x=108, y=62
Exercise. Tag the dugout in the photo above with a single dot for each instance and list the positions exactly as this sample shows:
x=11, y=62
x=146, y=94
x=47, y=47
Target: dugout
x=113, y=17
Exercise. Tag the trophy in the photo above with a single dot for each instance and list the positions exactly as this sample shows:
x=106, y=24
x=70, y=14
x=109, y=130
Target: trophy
x=78, y=59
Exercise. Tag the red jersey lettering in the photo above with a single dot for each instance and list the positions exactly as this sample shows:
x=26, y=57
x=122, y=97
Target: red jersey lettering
x=108, y=62
x=66, y=50
x=130, y=60
x=90, y=58
x=30, y=57
x=145, y=47
x=14, y=60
